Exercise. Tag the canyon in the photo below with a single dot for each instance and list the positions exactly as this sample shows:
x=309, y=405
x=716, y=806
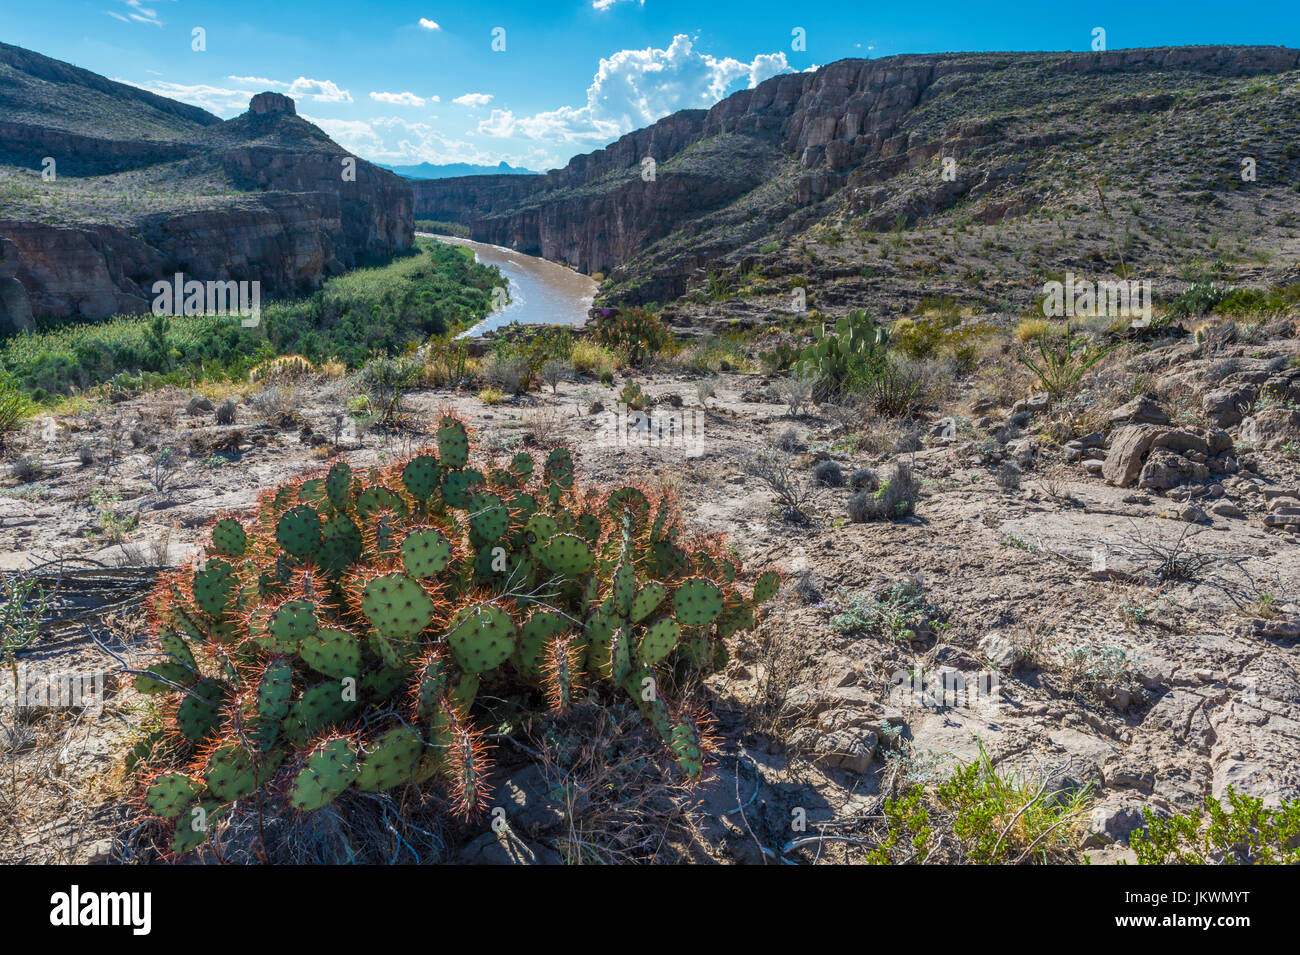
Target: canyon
x=862, y=142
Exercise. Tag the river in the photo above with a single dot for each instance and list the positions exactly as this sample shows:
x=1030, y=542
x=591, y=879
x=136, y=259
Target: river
x=541, y=292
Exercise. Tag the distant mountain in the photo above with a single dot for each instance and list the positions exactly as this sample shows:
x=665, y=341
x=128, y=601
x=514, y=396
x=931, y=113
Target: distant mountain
x=428, y=170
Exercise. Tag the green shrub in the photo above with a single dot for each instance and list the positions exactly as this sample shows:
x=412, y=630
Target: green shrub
x=635, y=333
x=1243, y=833
x=14, y=408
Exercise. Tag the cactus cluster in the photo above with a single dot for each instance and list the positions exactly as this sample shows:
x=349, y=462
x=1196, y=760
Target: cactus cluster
x=855, y=339
x=339, y=636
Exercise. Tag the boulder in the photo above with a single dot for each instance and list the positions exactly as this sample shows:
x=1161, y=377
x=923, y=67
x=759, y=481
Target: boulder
x=1164, y=470
x=1271, y=428
x=1128, y=449
x=1141, y=410
x=1224, y=407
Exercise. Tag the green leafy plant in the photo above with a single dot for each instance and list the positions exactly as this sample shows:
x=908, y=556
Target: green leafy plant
x=1063, y=362
x=1243, y=832
x=635, y=333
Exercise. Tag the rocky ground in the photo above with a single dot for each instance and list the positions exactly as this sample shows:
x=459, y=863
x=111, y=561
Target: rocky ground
x=1114, y=607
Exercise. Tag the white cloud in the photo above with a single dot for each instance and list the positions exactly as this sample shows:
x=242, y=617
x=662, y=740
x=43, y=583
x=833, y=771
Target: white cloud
x=429, y=24
x=633, y=88
x=474, y=99
x=216, y=99
x=399, y=142
x=606, y=4
x=137, y=13
x=398, y=99
x=259, y=81
x=320, y=91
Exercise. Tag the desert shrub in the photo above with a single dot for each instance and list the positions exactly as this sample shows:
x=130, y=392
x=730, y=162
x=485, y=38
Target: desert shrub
x=633, y=397
x=795, y=392
x=895, y=498
x=593, y=360
x=386, y=381
x=554, y=371
x=507, y=371
x=864, y=479
x=1243, y=832
x=790, y=441
x=446, y=361
x=490, y=396
x=828, y=473
x=1032, y=329
x=225, y=413
x=281, y=369
x=335, y=641
x=775, y=469
x=898, y=612
x=14, y=408
x=1200, y=298
x=1061, y=366
x=980, y=816
x=635, y=333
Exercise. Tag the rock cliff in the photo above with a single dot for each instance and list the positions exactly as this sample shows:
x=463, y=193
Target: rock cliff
x=764, y=163
x=152, y=187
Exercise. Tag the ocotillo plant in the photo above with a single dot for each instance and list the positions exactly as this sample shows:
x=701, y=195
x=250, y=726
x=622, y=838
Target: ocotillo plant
x=339, y=635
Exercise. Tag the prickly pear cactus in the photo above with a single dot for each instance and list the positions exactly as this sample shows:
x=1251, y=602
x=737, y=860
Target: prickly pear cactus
x=338, y=637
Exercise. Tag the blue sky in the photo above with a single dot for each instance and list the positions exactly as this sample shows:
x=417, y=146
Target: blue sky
x=404, y=82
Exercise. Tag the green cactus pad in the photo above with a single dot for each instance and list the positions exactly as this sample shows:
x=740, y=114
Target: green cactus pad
x=338, y=486
x=396, y=606
x=340, y=544
x=489, y=518
x=559, y=468
x=421, y=476
x=323, y=705
x=199, y=715
x=589, y=527
x=698, y=602
x=232, y=773
x=568, y=555
x=766, y=586
x=659, y=640
x=291, y=623
x=426, y=552
x=229, y=538
x=687, y=747
x=329, y=770
x=647, y=601
x=170, y=793
x=214, y=588
x=623, y=588
x=189, y=834
x=538, y=531
x=620, y=655
x=298, y=531
x=457, y=486
x=522, y=466
x=373, y=500
x=390, y=761
x=453, y=443
x=432, y=682
x=540, y=627
x=313, y=492
x=481, y=638
x=669, y=560
x=628, y=500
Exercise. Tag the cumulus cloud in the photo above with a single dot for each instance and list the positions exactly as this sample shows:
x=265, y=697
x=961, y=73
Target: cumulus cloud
x=633, y=88
x=320, y=91
x=398, y=99
x=215, y=99
x=428, y=24
x=474, y=99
